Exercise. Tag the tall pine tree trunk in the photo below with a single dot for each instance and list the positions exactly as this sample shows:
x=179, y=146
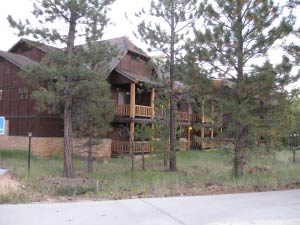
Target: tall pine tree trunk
x=172, y=95
x=68, y=142
x=239, y=132
x=238, y=150
x=90, y=151
x=68, y=145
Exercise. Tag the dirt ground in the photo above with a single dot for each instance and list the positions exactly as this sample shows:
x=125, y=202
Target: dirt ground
x=8, y=183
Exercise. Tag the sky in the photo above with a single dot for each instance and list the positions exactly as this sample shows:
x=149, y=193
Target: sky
x=21, y=9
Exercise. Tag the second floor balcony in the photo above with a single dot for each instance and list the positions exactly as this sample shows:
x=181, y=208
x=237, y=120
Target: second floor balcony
x=139, y=110
x=149, y=112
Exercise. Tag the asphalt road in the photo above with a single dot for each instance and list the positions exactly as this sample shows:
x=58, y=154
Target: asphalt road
x=266, y=208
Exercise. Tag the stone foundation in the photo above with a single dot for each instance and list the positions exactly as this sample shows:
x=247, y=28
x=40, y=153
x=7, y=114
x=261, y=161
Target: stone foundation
x=46, y=146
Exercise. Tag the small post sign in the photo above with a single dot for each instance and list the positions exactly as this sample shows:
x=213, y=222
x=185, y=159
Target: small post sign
x=2, y=125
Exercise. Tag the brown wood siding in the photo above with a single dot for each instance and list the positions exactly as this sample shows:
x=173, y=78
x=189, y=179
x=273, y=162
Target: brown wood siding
x=29, y=51
x=135, y=64
x=40, y=127
x=20, y=111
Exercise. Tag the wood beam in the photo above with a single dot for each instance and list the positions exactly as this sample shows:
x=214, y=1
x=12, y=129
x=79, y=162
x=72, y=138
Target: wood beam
x=132, y=100
x=152, y=102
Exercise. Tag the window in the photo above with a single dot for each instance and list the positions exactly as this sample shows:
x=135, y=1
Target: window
x=23, y=93
x=1, y=93
x=123, y=98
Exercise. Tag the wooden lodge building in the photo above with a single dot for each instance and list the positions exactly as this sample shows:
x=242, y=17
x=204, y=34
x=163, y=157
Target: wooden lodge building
x=129, y=75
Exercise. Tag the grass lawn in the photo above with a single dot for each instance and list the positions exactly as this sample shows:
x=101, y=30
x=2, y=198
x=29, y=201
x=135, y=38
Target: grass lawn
x=199, y=172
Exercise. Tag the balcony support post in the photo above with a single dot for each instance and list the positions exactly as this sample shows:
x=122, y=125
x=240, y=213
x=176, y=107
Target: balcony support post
x=132, y=115
x=152, y=103
x=132, y=100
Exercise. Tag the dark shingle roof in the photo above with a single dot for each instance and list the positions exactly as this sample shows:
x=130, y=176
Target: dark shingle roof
x=135, y=77
x=41, y=46
x=18, y=60
x=123, y=45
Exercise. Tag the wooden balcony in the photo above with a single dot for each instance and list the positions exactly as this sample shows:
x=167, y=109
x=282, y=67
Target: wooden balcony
x=140, y=110
x=197, y=118
x=122, y=110
x=148, y=112
x=182, y=116
x=209, y=143
x=123, y=147
x=144, y=111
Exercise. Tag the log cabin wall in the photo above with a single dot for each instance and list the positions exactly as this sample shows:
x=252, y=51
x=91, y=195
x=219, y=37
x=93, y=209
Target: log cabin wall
x=136, y=64
x=31, y=52
x=17, y=106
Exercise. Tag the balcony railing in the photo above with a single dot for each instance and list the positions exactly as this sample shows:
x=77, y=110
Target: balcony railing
x=122, y=110
x=123, y=147
x=147, y=111
x=182, y=116
x=140, y=110
x=211, y=143
x=144, y=111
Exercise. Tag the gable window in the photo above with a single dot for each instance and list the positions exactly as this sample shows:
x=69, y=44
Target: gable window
x=23, y=92
x=1, y=94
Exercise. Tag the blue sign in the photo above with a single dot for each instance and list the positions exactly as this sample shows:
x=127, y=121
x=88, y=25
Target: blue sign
x=2, y=125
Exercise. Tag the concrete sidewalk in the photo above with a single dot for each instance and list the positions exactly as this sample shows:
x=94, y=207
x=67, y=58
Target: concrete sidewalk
x=267, y=208
x=2, y=171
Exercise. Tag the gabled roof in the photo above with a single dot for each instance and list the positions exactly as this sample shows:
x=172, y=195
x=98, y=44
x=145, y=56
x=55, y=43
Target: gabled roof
x=41, y=46
x=18, y=60
x=134, y=77
x=123, y=45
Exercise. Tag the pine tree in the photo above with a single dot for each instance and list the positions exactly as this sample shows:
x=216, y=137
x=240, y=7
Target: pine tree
x=166, y=35
x=234, y=33
x=269, y=102
x=62, y=72
x=143, y=132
